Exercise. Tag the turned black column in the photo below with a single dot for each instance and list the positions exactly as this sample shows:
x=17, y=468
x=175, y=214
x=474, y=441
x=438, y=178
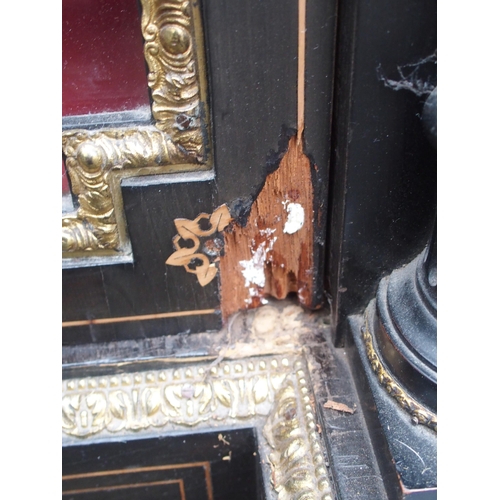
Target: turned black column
x=400, y=335
x=405, y=328
x=396, y=339
x=405, y=322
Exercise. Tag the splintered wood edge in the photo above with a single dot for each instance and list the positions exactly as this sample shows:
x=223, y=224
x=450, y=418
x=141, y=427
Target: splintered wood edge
x=273, y=254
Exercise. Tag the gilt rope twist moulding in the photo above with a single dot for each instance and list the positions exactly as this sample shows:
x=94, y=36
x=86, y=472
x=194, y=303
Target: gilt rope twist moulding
x=418, y=413
x=96, y=161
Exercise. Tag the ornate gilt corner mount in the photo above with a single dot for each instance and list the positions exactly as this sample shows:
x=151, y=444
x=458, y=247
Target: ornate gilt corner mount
x=201, y=257
x=97, y=161
x=270, y=393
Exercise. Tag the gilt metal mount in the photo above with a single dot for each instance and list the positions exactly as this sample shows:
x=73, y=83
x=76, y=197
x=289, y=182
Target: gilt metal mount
x=271, y=393
x=177, y=141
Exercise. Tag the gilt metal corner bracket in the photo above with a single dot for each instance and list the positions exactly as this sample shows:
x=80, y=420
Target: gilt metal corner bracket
x=271, y=393
x=178, y=141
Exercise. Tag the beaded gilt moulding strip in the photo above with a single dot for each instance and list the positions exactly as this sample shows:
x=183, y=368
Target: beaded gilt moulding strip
x=418, y=412
x=177, y=141
x=271, y=393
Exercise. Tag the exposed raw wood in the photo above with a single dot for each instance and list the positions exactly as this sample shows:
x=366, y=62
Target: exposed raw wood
x=273, y=254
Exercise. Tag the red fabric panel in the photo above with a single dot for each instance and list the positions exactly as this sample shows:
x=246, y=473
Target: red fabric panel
x=103, y=62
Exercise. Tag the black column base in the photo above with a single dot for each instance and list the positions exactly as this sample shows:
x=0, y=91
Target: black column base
x=395, y=345
x=404, y=330
x=413, y=447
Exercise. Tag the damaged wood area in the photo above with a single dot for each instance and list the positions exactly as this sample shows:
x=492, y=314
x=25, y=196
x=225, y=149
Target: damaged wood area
x=272, y=254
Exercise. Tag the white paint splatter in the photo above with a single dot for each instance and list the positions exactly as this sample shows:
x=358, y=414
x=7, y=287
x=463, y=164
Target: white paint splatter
x=253, y=269
x=267, y=232
x=295, y=218
x=252, y=292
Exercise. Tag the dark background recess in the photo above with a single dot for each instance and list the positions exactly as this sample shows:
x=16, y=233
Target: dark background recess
x=384, y=167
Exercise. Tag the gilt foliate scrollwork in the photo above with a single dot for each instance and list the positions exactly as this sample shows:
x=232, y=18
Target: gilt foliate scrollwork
x=177, y=141
x=170, y=50
x=299, y=469
x=166, y=398
x=272, y=390
x=95, y=161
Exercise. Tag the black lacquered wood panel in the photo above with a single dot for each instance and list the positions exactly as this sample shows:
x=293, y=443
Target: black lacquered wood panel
x=184, y=467
x=147, y=286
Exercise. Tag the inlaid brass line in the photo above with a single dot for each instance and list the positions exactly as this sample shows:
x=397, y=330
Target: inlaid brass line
x=301, y=70
x=182, y=490
x=114, y=472
x=205, y=465
x=208, y=481
x=143, y=317
x=129, y=486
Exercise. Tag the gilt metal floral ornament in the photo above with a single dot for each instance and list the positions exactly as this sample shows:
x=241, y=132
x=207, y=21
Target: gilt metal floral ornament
x=201, y=256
